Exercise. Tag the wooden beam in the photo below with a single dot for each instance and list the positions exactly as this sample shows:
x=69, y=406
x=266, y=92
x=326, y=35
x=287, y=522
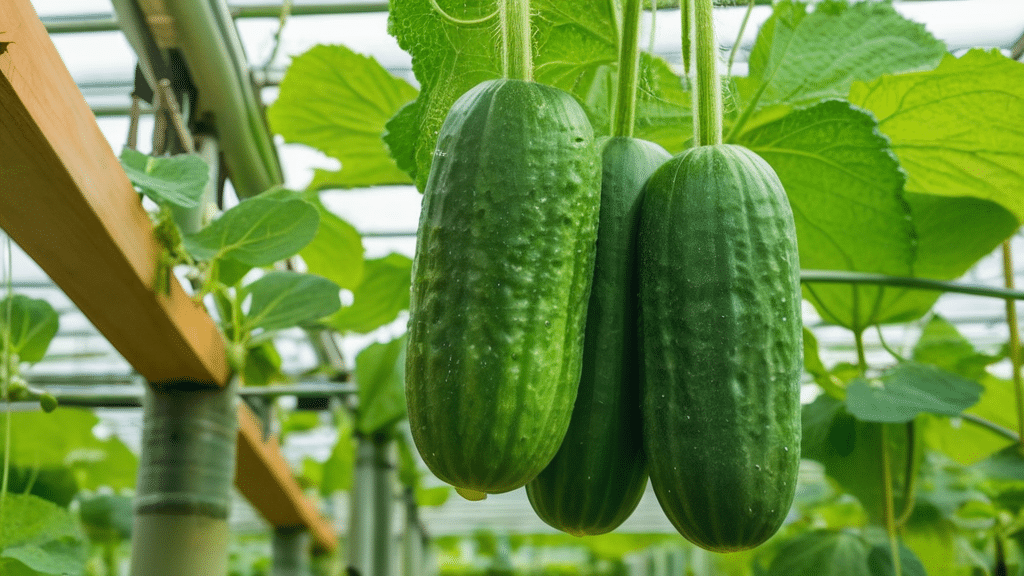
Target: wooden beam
x=66, y=201
x=269, y=485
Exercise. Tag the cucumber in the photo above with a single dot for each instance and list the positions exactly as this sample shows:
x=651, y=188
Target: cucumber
x=599, y=474
x=721, y=342
x=501, y=277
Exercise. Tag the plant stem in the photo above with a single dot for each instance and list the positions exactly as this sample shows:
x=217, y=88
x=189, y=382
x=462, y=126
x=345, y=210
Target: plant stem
x=686, y=10
x=990, y=426
x=862, y=360
x=845, y=277
x=629, y=64
x=707, y=91
x=1011, y=321
x=909, y=478
x=517, y=59
x=739, y=36
x=8, y=372
x=887, y=501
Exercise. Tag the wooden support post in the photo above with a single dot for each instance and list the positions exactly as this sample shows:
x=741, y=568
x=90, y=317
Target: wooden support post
x=66, y=201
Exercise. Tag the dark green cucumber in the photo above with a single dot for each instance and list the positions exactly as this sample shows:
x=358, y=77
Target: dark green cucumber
x=721, y=342
x=599, y=474
x=501, y=278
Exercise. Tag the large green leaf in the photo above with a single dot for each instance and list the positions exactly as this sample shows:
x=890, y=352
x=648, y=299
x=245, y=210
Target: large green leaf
x=908, y=389
x=285, y=299
x=380, y=375
x=379, y=298
x=32, y=323
x=880, y=562
x=336, y=252
x=955, y=129
x=257, y=232
x=1007, y=464
x=40, y=537
x=177, y=180
x=339, y=468
x=575, y=49
x=337, y=101
x=846, y=190
x=802, y=58
x=820, y=552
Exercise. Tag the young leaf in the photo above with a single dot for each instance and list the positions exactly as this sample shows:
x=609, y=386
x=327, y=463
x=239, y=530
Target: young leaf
x=380, y=375
x=846, y=190
x=336, y=252
x=954, y=129
x=802, y=58
x=32, y=323
x=909, y=389
x=967, y=443
x=286, y=299
x=341, y=114
x=382, y=295
x=256, y=232
x=176, y=180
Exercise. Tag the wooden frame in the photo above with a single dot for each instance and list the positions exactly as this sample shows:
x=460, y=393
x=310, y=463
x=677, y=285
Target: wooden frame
x=66, y=201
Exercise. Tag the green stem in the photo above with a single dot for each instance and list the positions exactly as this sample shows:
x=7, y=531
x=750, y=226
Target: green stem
x=707, y=90
x=629, y=64
x=1011, y=321
x=844, y=277
x=991, y=426
x=739, y=36
x=909, y=478
x=8, y=372
x=517, y=59
x=686, y=10
x=887, y=501
x=862, y=361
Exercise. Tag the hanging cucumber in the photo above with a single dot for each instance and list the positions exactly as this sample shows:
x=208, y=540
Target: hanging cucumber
x=720, y=332
x=501, y=279
x=599, y=474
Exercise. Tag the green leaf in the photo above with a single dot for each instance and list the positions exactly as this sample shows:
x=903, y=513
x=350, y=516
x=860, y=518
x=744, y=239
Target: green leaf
x=880, y=562
x=106, y=515
x=178, y=180
x=826, y=428
x=107, y=464
x=337, y=101
x=41, y=536
x=336, y=252
x=434, y=496
x=230, y=272
x=575, y=49
x=1007, y=464
x=262, y=365
x=32, y=324
x=955, y=128
x=257, y=232
x=379, y=298
x=846, y=190
x=380, y=376
x=45, y=440
x=339, y=468
x=800, y=58
x=968, y=443
x=285, y=299
x=822, y=552
x=942, y=345
x=908, y=389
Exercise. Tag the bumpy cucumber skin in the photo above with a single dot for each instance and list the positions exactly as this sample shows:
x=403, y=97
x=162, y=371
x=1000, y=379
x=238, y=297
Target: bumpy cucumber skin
x=599, y=474
x=501, y=278
x=721, y=342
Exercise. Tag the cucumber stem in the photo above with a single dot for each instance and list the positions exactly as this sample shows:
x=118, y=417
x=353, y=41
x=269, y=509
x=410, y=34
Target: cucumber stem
x=1011, y=322
x=909, y=479
x=629, y=64
x=686, y=10
x=739, y=36
x=887, y=502
x=707, y=91
x=517, y=60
